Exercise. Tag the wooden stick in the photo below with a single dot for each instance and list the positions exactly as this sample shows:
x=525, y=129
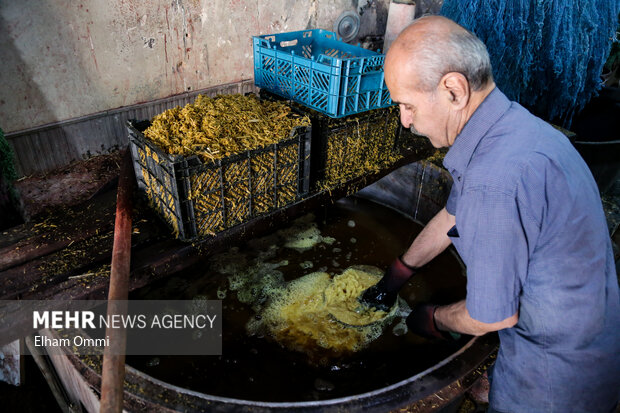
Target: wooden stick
x=113, y=370
x=51, y=378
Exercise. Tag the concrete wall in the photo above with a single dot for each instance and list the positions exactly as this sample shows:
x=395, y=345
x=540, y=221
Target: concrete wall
x=63, y=59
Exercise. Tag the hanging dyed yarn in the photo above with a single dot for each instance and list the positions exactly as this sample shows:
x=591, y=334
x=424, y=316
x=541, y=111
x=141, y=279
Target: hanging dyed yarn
x=546, y=54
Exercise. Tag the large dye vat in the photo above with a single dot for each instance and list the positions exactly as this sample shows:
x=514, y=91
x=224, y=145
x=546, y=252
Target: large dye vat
x=259, y=369
x=255, y=374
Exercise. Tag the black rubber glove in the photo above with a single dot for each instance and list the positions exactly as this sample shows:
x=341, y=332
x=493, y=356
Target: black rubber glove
x=382, y=295
x=421, y=321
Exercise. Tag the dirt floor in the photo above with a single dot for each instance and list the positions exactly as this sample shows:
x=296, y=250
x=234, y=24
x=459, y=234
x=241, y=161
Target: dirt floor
x=70, y=185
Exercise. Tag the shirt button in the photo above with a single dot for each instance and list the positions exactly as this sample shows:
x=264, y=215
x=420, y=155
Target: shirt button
x=458, y=178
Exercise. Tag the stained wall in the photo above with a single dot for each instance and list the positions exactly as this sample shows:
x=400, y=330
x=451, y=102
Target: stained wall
x=63, y=59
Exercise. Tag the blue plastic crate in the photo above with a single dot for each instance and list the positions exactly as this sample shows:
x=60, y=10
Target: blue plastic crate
x=314, y=68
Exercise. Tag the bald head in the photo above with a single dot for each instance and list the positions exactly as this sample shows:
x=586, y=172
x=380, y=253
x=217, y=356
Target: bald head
x=433, y=46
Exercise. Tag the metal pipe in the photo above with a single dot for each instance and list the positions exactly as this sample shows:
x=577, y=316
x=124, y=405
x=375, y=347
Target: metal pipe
x=400, y=14
x=113, y=370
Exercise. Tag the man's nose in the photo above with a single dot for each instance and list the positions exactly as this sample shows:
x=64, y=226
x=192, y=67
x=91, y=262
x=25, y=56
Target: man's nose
x=405, y=119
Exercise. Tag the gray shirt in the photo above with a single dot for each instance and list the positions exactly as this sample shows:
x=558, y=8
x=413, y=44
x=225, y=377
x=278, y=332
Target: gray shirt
x=531, y=229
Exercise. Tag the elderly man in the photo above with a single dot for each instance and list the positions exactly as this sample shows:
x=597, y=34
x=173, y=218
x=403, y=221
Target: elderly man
x=524, y=214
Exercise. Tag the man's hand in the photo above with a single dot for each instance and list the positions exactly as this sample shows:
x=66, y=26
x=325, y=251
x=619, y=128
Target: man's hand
x=382, y=295
x=421, y=321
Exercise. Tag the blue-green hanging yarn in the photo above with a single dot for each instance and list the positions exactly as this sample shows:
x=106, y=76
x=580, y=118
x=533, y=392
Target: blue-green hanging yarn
x=546, y=54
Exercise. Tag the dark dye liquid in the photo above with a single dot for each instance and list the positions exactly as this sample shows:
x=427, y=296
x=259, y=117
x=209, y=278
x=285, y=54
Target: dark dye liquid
x=259, y=369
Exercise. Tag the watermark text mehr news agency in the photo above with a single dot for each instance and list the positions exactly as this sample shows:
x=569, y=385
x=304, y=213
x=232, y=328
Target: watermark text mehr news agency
x=87, y=319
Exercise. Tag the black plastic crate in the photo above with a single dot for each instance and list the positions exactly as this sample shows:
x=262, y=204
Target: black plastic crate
x=347, y=148
x=199, y=198
x=353, y=146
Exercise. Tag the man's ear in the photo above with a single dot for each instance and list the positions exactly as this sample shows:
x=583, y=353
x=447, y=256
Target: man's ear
x=455, y=87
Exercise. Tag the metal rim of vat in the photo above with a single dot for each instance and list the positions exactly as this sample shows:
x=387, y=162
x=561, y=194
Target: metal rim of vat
x=427, y=391
x=602, y=159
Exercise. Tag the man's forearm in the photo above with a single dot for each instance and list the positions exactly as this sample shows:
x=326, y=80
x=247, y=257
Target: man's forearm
x=456, y=318
x=431, y=241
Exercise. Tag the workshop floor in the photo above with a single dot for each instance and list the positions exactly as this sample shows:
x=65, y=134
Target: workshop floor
x=67, y=186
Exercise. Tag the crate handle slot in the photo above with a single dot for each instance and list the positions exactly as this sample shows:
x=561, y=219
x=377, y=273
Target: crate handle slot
x=325, y=59
x=262, y=42
x=288, y=43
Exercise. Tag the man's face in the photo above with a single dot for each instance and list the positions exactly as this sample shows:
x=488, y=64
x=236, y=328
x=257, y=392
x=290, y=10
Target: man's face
x=426, y=113
x=422, y=112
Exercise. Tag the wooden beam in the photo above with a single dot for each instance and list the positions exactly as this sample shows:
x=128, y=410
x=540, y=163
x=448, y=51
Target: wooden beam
x=113, y=371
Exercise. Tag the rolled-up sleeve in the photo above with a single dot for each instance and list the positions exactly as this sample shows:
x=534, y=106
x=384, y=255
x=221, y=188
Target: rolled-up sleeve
x=495, y=250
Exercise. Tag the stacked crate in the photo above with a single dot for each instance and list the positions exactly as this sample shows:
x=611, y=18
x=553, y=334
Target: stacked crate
x=198, y=198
